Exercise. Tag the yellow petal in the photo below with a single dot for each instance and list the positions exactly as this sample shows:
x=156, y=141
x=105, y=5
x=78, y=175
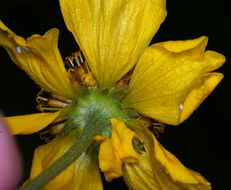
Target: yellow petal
x=86, y=175
x=167, y=172
x=183, y=45
x=39, y=57
x=175, y=169
x=31, y=123
x=112, y=34
x=82, y=174
x=197, y=95
x=116, y=150
x=122, y=141
x=109, y=163
x=169, y=75
x=172, y=165
x=139, y=175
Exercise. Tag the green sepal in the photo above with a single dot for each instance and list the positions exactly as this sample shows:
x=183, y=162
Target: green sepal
x=85, y=90
x=118, y=95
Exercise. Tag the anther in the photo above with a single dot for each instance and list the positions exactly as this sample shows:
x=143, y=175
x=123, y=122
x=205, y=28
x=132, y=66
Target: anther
x=55, y=129
x=39, y=99
x=60, y=98
x=43, y=108
x=76, y=86
x=158, y=128
x=59, y=119
x=77, y=72
x=76, y=59
x=124, y=82
x=70, y=61
x=46, y=136
x=56, y=103
x=146, y=122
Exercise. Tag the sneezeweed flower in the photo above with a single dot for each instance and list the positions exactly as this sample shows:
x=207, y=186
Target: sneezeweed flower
x=102, y=112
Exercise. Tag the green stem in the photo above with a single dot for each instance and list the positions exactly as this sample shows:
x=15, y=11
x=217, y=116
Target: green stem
x=84, y=140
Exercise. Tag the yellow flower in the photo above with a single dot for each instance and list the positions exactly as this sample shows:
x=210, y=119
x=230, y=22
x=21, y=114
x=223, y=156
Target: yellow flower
x=167, y=82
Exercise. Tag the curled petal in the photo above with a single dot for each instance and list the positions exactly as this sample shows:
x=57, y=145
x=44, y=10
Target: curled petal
x=171, y=79
x=172, y=165
x=116, y=150
x=163, y=168
x=173, y=171
x=112, y=34
x=197, y=45
x=39, y=57
x=198, y=94
x=82, y=174
x=109, y=163
x=122, y=141
x=31, y=123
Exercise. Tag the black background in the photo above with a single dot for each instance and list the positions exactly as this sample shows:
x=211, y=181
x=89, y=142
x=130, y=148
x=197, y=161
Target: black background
x=201, y=142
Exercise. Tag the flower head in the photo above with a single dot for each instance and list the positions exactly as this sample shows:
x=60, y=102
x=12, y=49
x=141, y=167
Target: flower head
x=119, y=90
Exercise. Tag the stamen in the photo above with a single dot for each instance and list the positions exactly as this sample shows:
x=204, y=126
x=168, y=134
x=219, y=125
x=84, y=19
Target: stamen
x=155, y=127
x=59, y=119
x=56, y=103
x=45, y=135
x=76, y=59
x=88, y=79
x=50, y=102
x=77, y=72
x=60, y=98
x=80, y=56
x=70, y=61
x=39, y=99
x=76, y=86
x=158, y=128
x=55, y=129
x=146, y=122
x=43, y=94
x=42, y=108
x=124, y=82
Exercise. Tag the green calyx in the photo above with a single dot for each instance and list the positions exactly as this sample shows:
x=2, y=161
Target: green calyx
x=96, y=107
